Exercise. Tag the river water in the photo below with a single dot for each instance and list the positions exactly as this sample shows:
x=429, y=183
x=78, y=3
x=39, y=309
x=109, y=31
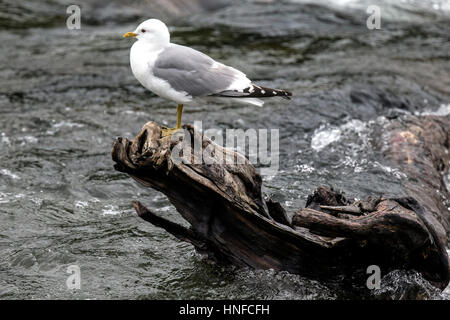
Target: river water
x=66, y=94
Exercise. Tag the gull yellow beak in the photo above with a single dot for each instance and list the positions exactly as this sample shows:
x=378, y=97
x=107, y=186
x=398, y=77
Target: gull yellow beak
x=129, y=35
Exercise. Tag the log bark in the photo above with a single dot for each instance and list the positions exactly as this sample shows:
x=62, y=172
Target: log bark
x=420, y=147
x=231, y=222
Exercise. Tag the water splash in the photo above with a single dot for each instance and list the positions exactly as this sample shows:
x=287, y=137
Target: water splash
x=406, y=285
x=8, y=173
x=443, y=110
x=326, y=135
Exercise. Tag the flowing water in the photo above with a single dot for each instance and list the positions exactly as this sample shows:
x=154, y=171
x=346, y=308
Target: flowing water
x=66, y=94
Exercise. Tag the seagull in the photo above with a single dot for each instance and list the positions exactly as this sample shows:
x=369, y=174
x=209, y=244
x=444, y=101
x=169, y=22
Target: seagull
x=182, y=74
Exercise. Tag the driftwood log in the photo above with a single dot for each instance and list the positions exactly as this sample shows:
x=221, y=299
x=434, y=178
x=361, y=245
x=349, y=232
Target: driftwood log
x=231, y=222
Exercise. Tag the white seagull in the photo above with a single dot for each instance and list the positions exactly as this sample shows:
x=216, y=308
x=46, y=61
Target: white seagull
x=181, y=74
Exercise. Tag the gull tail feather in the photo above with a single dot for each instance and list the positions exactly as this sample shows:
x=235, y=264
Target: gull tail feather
x=253, y=101
x=254, y=91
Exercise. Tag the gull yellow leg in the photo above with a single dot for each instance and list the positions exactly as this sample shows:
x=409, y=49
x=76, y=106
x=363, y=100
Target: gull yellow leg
x=168, y=131
x=179, y=113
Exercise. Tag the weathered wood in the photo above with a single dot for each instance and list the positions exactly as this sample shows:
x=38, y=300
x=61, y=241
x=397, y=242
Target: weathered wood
x=231, y=223
x=420, y=146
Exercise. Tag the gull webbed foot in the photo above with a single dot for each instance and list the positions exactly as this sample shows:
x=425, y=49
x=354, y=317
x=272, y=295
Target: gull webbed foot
x=169, y=131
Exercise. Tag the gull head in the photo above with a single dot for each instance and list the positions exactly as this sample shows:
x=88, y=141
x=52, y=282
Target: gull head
x=153, y=31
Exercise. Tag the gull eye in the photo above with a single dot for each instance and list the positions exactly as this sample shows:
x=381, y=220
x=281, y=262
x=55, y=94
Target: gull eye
x=143, y=30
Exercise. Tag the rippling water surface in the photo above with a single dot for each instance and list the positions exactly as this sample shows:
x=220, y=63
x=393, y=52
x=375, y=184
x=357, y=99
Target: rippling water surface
x=65, y=95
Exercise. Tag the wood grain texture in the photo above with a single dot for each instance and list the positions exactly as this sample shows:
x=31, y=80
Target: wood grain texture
x=231, y=222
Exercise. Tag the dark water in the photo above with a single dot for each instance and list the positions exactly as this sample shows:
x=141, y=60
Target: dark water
x=65, y=95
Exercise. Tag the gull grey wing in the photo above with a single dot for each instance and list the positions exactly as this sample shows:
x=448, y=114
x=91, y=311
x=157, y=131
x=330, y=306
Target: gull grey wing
x=193, y=72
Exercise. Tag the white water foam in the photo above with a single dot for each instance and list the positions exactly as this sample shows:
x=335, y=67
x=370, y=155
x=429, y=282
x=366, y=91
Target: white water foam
x=111, y=210
x=9, y=197
x=322, y=138
x=443, y=110
x=8, y=173
x=305, y=168
x=4, y=139
x=63, y=124
x=325, y=135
